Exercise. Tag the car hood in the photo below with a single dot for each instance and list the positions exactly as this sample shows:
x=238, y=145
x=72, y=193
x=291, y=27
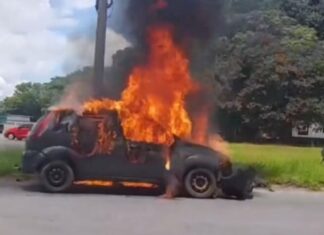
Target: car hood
x=186, y=148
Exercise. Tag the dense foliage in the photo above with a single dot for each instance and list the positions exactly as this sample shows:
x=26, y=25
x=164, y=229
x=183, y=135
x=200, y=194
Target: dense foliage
x=271, y=71
x=266, y=70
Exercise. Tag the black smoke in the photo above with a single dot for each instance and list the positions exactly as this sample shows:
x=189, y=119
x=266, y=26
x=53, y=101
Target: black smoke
x=195, y=22
x=193, y=19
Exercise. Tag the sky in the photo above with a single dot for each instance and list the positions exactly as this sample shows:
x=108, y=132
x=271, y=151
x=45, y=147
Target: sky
x=41, y=39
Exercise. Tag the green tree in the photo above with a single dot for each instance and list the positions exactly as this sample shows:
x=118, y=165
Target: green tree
x=25, y=101
x=268, y=76
x=306, y=12
x=34, y=98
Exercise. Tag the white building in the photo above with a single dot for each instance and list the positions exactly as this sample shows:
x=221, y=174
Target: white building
x=314, y=131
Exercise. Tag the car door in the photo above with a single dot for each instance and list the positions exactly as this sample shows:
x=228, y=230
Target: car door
x=126, y=160
x=22, y=131
x=145, y=161
x=102, y=149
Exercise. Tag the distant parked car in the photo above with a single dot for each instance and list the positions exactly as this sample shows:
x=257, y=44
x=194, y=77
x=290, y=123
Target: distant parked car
x=19, y=133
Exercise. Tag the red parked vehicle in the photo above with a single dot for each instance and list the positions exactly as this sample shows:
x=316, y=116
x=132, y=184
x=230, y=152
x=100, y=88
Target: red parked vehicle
x=19, y=133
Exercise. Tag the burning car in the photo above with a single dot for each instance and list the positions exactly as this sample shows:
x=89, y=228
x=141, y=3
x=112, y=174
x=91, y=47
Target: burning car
x=154, y=132
x=65, y=149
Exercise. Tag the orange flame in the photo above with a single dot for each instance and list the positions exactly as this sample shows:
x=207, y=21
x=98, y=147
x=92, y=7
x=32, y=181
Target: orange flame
x=201, y=125
x=217, y=143
x=138, y=185
x=96, y=183
x=99, y=183
x=152, y=108
x=106, y=138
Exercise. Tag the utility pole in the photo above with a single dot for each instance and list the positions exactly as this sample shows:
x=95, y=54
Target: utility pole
x=99, y=63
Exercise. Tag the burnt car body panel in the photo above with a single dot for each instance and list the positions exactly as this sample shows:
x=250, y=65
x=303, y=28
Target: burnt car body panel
x=128, y=160
x=98, y=167
x=186, y=156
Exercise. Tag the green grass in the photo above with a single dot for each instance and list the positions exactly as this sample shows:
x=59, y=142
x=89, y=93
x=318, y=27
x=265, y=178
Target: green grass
x=283, y=165
x=9, y=158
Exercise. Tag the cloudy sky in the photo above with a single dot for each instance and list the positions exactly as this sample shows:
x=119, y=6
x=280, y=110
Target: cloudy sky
x=40, y=39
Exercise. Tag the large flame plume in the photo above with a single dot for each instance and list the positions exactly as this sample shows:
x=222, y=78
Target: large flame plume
x=153, y=107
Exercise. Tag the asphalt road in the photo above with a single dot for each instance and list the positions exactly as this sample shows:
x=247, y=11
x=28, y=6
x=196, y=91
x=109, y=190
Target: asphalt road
x=9, y=144
x=27, y=212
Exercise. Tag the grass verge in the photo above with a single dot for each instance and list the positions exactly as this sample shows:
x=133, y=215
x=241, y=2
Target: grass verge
x=283, y=165
x=9, y=158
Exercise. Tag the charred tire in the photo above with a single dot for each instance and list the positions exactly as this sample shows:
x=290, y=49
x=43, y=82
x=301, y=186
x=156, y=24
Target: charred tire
x=240, y=184
x=200, y=183
x=56, y=176
x=247, y=192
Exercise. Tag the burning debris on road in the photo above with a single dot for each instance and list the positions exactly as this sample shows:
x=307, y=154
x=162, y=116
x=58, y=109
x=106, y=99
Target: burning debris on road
x=152, y=133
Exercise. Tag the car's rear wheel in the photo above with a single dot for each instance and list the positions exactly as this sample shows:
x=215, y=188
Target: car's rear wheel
x=200, y=183
x=11, y=136
x=56, y=176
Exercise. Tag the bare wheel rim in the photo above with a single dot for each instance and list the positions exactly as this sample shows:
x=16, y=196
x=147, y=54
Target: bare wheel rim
x=200, y=182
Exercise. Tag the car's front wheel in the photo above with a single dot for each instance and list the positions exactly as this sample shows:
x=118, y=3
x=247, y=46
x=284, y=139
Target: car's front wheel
x=200, y=183
x=56, y=176
x=11, y=136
